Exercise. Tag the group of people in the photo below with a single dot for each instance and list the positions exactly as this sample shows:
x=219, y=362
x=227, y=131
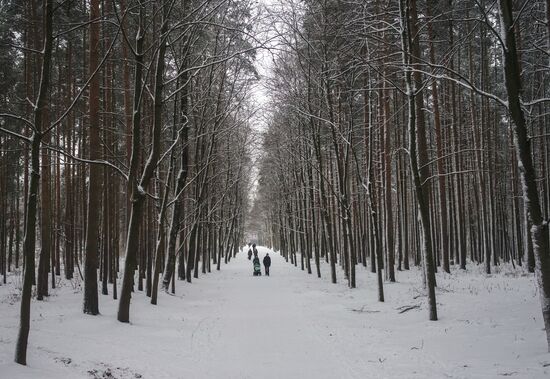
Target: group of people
x=256, y=261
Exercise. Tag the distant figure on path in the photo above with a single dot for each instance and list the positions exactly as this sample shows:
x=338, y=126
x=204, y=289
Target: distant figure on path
x=249, y=253
x=254, y=250
x=256, y=265
x=267, y=263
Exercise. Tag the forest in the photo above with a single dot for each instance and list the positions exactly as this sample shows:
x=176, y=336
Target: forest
x=145, y=144
x=410, y=133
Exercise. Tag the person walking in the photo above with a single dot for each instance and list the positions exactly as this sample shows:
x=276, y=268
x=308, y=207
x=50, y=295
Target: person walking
x=267, y=263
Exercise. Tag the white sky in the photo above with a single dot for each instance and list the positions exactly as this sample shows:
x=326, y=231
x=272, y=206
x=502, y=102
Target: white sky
x=260, y=97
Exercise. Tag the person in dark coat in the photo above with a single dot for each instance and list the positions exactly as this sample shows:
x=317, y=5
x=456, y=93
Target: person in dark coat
x=249, y=254
x=254, y=250
x=267, y=263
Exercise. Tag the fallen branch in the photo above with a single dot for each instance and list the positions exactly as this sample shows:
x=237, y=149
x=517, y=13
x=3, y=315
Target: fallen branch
x=407, y=308
x=418, y=348
x=362, y=310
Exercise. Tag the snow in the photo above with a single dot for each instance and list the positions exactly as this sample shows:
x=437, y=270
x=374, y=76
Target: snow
x=229, y=324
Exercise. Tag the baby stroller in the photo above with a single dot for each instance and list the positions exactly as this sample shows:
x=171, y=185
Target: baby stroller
x=257, y=269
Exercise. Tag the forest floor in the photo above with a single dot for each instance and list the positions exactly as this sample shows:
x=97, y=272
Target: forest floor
x=230, y=324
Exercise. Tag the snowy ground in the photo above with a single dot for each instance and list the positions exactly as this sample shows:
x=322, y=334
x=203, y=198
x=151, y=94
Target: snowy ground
x=230, y=324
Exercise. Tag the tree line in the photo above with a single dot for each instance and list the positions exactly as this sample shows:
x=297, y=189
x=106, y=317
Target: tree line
x=124, y=135
x=409, y=132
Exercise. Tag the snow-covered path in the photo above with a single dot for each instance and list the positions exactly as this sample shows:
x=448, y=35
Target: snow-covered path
x=229, y=324
x=261, y=327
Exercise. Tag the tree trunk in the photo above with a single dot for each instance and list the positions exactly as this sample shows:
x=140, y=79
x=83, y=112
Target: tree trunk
x=139, y=195
x=539, y=226
x=29, y=242
x=91, y=305
x=439, y=143
x=415, y=149
x=132, y=242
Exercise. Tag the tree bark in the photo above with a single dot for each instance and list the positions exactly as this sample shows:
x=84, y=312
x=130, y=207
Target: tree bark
x=139, y=195
x=539, y=226
x=29, y=242
x=91, y=304
x=415, y=149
